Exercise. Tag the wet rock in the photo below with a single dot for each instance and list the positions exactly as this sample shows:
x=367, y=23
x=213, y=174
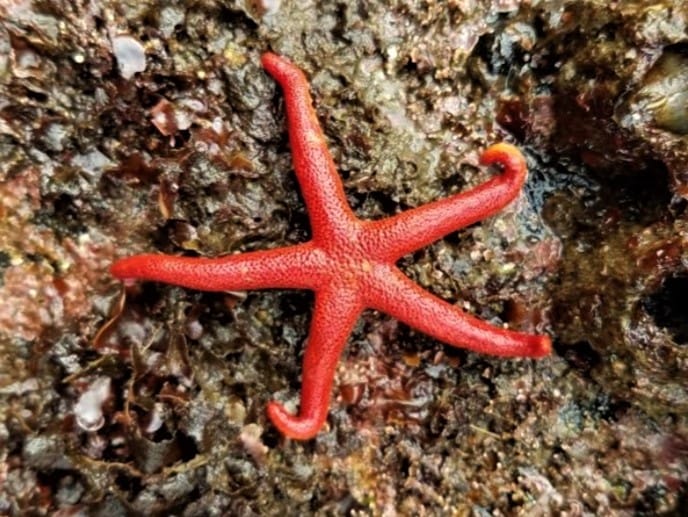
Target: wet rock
x=662, y=98
x=136, y=126
x=45, y=453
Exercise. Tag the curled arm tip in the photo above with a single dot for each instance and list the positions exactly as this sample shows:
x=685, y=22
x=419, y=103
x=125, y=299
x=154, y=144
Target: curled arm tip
x=509, y=158
x=294, y=426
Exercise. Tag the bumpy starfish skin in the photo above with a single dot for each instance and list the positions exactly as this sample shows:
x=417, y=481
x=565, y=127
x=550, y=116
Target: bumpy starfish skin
x=350, y=263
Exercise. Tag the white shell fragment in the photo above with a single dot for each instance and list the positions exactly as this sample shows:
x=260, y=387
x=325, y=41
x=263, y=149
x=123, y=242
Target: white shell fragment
x=130, y=55
x=89, y=408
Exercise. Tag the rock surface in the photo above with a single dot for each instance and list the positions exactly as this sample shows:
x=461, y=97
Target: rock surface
x=149, y=126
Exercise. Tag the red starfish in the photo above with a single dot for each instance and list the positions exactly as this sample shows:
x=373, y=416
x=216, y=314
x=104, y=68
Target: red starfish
x=350, y=263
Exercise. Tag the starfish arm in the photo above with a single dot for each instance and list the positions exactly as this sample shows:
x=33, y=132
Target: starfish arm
x=398, y=296
x=294, y=267
x=408, y=231
x=315, y=170
x=335, y=313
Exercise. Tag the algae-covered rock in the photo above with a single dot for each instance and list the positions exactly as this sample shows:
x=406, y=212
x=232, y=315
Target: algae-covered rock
x=150, y=126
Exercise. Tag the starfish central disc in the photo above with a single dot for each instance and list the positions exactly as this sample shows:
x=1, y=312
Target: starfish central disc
x=350, y=264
